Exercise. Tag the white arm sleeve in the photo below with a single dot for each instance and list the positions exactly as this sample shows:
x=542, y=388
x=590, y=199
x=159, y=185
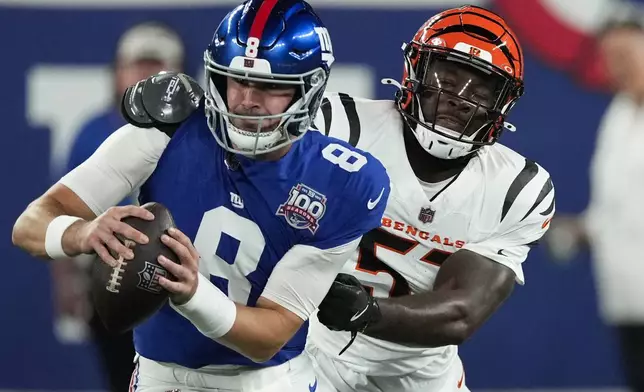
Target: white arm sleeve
x=120, y=165
x=301, y=280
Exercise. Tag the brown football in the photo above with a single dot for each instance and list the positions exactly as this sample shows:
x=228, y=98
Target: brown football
x=128, y=294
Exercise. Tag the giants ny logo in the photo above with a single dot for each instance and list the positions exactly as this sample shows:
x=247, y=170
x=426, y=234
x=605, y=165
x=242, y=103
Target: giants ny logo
x=325, y=45
x=304, y=208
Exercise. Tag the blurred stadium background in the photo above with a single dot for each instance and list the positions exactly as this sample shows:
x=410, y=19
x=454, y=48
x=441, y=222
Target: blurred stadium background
x=55, y=74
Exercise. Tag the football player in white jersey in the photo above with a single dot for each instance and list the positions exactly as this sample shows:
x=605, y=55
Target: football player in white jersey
x=463, y=212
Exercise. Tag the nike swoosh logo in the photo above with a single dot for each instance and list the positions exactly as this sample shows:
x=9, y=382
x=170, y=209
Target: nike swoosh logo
x=371, y=204
x=357, y=315
x=500, y=252
x=313, y=387
x=460, y=382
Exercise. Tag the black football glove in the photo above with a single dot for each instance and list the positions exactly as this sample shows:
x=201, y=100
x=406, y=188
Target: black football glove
x=348, y=306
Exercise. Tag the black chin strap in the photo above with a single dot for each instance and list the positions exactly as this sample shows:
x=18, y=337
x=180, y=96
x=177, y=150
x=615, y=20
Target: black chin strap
x=354, y=334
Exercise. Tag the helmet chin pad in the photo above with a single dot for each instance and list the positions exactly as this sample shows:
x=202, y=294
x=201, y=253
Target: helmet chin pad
x=440, y=146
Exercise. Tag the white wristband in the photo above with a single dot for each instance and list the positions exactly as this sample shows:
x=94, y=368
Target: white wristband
x=54, y=235
x=210, y=310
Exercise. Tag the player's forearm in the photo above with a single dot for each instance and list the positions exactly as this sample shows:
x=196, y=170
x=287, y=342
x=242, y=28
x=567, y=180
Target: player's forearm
x=30, y=230
x=31, y=227
x=430, y=319
x=257, y=333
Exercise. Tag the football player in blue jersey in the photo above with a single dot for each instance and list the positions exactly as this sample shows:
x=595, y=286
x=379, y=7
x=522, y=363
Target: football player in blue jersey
x=267, y=212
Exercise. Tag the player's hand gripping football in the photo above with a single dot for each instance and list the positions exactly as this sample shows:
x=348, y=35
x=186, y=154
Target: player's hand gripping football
x=348, y=306
x=186, y=273
x=99, y=235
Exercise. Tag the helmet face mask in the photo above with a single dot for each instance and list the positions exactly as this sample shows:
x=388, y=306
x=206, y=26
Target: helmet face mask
x=460, y=82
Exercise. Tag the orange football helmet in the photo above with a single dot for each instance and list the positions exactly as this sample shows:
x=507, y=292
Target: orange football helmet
x=463, y=74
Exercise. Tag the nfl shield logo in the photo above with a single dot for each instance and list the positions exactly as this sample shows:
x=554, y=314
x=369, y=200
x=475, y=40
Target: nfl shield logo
x=149, y=277
x=426, y=214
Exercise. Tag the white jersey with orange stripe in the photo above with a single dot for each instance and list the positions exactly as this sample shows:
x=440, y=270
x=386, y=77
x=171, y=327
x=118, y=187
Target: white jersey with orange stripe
x=499, y=206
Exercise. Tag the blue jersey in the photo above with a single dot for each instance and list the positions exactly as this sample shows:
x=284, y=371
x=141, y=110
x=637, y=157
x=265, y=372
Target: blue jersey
x=243, y=215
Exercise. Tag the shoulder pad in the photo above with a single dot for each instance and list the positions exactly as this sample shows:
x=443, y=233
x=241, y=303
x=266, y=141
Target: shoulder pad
x=162, y=100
